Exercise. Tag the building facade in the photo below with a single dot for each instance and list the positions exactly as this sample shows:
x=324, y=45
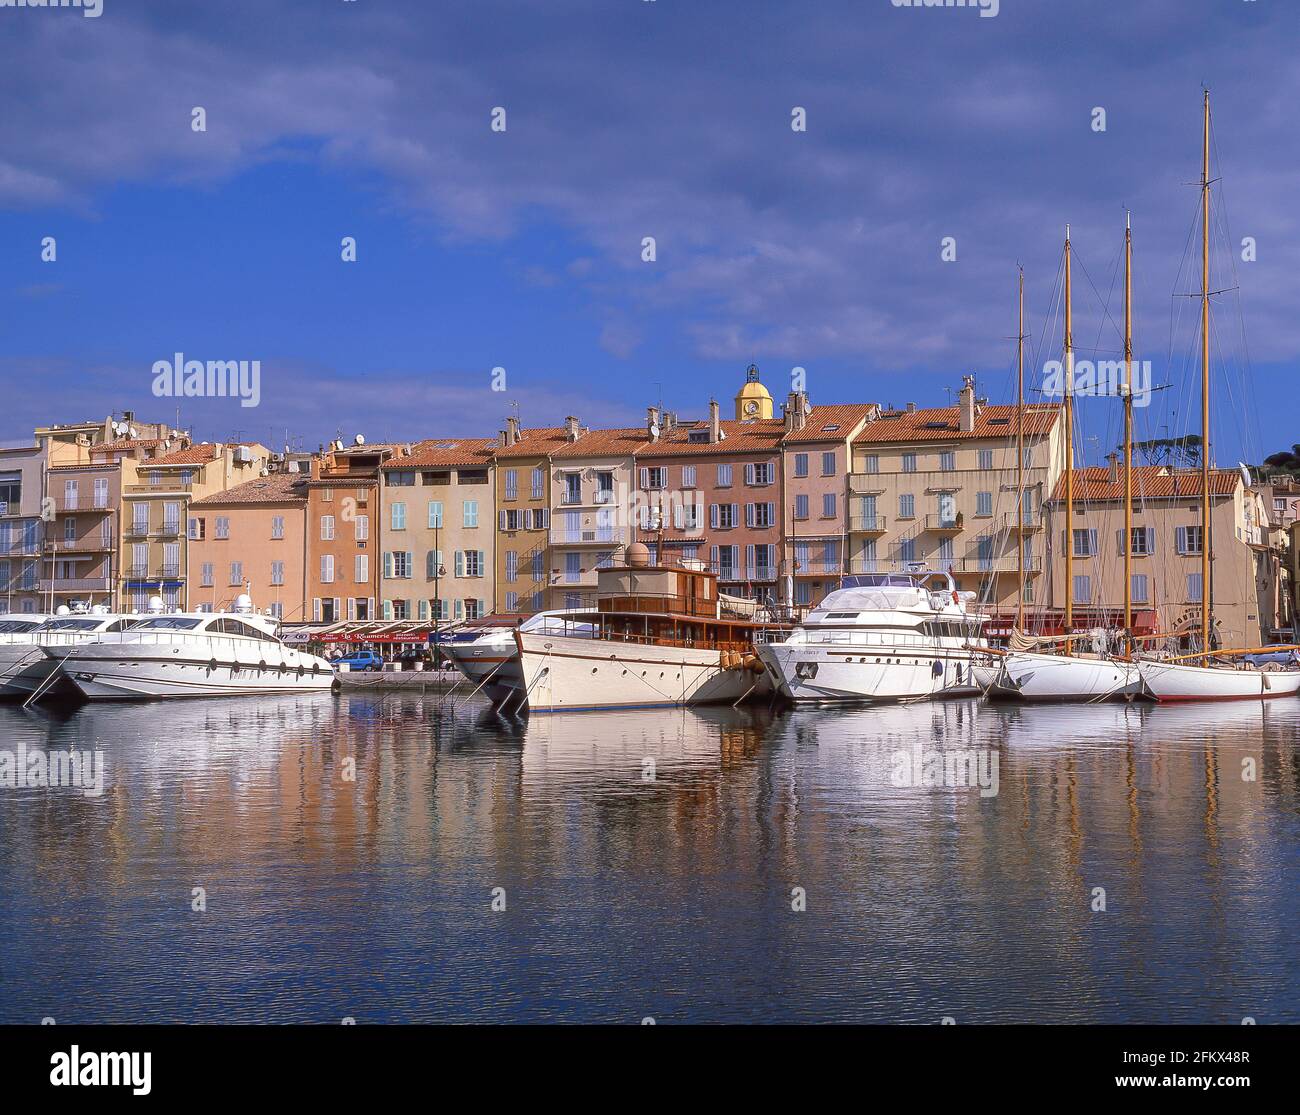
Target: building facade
x=252, y=539
x=592, y=478
x=712, y=492
x=1167, y=541
x=816, y=459
x=939, y=487
x=156, y=528
x=436, y=504
x=523, y=515
x=345, y=533
x=22, y=527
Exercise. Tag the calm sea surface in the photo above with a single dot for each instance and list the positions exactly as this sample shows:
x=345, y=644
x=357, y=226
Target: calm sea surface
x=349, y=851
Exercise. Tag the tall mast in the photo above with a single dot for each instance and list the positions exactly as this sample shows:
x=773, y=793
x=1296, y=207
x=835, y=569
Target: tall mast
x=1020, y=460
x=1128, y=427
x=1069, y=450
x=1205, y=382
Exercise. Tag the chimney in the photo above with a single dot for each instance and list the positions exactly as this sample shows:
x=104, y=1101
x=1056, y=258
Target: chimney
x=510, y=435
x=1113, y=460
x=571, y=432
x=668, y=421
x=796, y=411
x=652, y=427
x=966, y=401
x=911, y=408
x=715, y=426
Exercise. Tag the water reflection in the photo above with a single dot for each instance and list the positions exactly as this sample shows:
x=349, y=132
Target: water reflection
x=349, y=848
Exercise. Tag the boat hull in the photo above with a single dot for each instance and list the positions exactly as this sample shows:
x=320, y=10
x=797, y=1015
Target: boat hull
x=572, y=674
x=812, y=673
x=490, y=664
x=1058, y=678
x=104, y=672
x=1177, y=681
x=22, y=668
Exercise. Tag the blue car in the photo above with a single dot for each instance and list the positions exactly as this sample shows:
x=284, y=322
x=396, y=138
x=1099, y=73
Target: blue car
x=360, y=660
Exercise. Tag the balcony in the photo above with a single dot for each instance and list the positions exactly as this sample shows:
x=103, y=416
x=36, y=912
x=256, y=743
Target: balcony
x=77, y=584
x=735, y=574
x=1028, y=521
x=944, y=524
x=588, y=536
x=868, y=524
x=82, y=503
x=168, y=484
x=135, y=530
x=169, y=529
x=818, y=568
x=1001, y=565
x=88, y=544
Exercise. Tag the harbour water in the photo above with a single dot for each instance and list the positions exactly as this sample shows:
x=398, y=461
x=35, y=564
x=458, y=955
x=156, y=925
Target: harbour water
x=316, y=858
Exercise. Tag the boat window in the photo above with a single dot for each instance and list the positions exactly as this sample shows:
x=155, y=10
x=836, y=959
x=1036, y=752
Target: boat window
x=15, y=626
x=169, y=623
x=70, y=625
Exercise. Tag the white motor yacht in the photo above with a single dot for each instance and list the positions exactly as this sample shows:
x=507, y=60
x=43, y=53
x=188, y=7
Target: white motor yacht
x=191, y=654
x=883, y=637
x=17, y=647
x=26, y=669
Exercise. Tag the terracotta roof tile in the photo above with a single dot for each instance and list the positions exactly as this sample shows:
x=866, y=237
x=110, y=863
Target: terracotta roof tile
x=944, y=424
x=198, y=454
x=843, y=415
x=276, y=487
x=1094, y=485
x=533, y=443
x=763, y=435
x=621, y=442
x=445, y=453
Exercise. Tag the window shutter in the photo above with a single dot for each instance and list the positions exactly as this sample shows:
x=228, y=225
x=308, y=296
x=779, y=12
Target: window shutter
x=714, y=559
x=749, y=474
x=410, y=562
x=460, y=563
x=388, y=564
x=1180, y=539
x=528, y=518
x=771, y=514
x=429, y=562
x=713, y=519
x=749, y=563
x=1119, y=541
x=1092, y=541
x=645, y=479
x=1151, y=539
x=749, y=514
x=501, y=520
x=482, y=563
x=735, y=513
x=679, y=516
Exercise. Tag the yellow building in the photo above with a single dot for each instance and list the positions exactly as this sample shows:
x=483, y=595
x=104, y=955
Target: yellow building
x=523, y=516
x=753, y=400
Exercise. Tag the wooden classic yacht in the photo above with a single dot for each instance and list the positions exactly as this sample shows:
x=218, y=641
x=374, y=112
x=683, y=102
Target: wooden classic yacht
x=658, y=635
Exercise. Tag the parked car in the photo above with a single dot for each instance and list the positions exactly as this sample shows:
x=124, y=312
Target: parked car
x=360, y=660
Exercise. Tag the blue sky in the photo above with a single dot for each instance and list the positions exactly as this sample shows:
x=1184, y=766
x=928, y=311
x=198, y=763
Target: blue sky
x=626, y=119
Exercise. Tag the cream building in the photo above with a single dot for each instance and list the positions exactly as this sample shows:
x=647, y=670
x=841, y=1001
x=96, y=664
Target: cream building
x=1167, y=544
x=939, y=486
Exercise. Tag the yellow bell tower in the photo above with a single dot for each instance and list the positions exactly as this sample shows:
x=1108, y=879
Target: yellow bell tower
x=753, y=400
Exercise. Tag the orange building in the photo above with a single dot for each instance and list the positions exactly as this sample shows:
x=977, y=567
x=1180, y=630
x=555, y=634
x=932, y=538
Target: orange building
x=343, y=533
x=252, y=538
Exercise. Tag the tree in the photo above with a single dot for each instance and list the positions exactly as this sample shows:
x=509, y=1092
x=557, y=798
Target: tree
x=1180, y=452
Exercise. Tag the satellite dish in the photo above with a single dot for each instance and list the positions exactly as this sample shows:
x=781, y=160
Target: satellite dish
x=359, y=439
x=1245, y=475
x=654, y=431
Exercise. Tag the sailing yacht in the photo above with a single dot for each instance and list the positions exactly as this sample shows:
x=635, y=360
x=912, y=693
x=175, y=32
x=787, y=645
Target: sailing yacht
x=190, y=654
x=882, y=637
x=25, y=668
x=1220, y=675
x=1068, y=675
